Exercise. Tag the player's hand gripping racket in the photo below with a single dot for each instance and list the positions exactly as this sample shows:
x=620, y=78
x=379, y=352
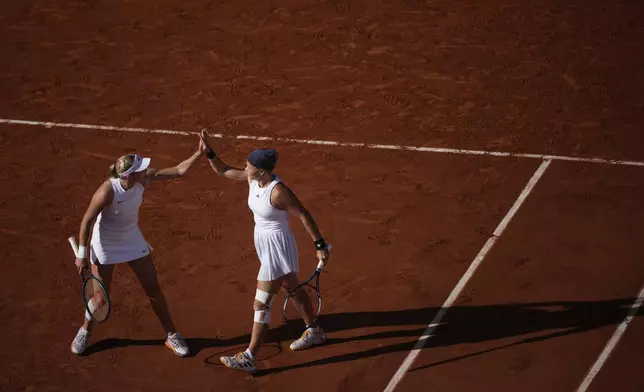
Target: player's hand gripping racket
x=290, y=310
x=95, y=298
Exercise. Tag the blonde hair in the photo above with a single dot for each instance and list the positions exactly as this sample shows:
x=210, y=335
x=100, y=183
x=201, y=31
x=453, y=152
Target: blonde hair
x=122, y=164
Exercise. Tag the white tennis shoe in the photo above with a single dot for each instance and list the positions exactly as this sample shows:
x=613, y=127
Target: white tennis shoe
x=80, y=341
x=177, y=344
x=240, y=361
x=309, y=339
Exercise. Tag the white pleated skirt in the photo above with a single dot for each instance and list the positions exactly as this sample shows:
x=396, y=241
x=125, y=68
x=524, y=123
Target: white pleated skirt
x=277, y=253
x=113, y=249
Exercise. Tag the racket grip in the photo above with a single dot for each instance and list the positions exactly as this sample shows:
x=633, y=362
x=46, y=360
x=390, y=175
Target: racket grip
x=72, y=242
x=321, y=263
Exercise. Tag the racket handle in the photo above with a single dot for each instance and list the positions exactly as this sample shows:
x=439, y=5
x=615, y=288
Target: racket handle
x=72, y=242
x=321, y=263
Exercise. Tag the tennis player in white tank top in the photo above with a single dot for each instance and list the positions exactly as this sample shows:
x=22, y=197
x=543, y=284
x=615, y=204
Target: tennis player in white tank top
x=274, y=240
x=271, y=203
x=117, y=238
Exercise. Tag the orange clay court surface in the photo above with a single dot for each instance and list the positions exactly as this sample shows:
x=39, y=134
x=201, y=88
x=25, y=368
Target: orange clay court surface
x=537, y=76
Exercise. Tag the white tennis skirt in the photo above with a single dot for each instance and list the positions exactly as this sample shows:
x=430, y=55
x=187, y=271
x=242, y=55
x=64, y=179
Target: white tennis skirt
x=111, y=249
x=277, y=253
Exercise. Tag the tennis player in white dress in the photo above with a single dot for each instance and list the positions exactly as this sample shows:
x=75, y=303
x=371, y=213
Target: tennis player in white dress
x=117, y=239
x=271, y=203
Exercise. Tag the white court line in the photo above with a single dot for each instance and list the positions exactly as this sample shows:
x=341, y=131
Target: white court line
x=331, y=143
x=611, y=343
x=411, y=357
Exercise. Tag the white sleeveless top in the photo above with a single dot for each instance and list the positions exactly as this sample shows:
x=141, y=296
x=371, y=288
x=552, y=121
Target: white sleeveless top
x=267, y=217
x=116, y=237
x=122, y=216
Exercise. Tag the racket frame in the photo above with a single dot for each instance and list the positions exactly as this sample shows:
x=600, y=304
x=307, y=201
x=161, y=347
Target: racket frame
x=86, y=278
x=315, y=275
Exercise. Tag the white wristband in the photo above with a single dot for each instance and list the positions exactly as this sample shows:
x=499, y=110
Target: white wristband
x=82, y=252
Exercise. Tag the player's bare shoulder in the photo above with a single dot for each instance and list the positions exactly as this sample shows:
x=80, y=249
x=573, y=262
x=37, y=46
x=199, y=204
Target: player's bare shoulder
x=283, y=197
x=105, y=192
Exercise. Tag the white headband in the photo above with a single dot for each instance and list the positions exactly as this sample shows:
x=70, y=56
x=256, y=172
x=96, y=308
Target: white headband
x=138, y=165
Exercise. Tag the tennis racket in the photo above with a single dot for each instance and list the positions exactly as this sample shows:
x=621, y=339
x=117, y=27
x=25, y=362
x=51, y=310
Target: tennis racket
x=312, y=290
x=95, y=298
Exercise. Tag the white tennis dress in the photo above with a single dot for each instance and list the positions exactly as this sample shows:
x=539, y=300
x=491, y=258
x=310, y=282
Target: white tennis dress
x=274, y=240
x=116, y=237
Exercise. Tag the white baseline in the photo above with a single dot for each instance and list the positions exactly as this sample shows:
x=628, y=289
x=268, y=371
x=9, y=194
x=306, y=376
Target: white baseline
x=331, y=143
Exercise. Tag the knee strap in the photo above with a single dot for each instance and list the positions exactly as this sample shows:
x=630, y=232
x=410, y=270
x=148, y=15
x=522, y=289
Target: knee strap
x=92, y=307
x=263, y=316
x=264, y=297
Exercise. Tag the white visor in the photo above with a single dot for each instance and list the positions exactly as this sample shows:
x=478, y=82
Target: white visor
x=139, y=165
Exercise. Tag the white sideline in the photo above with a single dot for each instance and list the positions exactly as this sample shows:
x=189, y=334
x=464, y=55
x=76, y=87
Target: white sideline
x=411, y=357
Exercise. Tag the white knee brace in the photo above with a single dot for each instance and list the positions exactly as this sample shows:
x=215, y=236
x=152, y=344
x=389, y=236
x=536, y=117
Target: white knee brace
x=263, y=316
x=92, y=307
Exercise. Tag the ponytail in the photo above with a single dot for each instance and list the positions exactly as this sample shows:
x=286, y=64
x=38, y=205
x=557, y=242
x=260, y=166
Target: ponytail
x=113, y=173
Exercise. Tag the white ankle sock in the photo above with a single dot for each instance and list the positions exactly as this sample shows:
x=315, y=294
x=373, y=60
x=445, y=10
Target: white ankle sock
x=249, y=354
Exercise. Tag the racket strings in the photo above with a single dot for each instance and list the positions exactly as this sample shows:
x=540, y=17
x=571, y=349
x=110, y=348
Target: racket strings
x=96, y=300
x=292, y=310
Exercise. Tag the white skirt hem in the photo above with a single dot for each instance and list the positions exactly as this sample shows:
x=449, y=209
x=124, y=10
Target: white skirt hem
x=277, y=253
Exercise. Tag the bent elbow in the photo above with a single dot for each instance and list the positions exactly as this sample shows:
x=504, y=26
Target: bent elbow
x=181, y=171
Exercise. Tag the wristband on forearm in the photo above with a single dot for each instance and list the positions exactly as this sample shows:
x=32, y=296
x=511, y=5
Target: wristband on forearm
x=320, y=244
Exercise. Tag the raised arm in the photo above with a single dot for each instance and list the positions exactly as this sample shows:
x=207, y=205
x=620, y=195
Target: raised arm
x=173, y=172
x=217, y=164
x=282, y=197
